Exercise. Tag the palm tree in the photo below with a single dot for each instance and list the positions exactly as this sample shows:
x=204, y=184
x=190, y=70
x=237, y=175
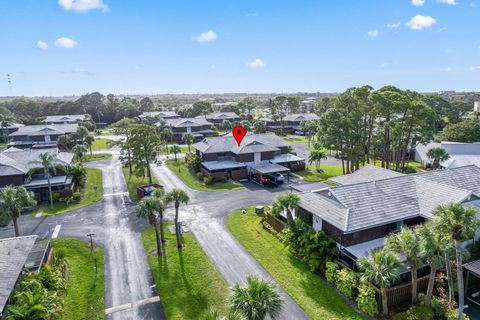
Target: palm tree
x=6, y=120
x=79, y=151
x=188, y=139
x=78, y=173
x=175, y=149
x=177, y=196
x=459, y=224
x=432, y=247
x=213, y=314
x=49, y=163
x=286, y=202
x=12, y=202
x=82, y=132
x=160, y=193
x=64, y=141
x=382, y=268
x=148, y=209
x=29, y=307
x=406, y=242
x=89, y=141
x=257, y=300
x=226, y=125
x=438, y=155
x=316, y=156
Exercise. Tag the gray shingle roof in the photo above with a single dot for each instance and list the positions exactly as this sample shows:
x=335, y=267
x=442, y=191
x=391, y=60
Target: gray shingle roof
x=221, y=116
x=296, y=117
x=66, y=117
x=250, y=143
x=368, y=204
x=365, y=174
x=467, y=178
x=45, y=129
x=13, y=253
x=187, y=122
x=18, y=161
x=161, y=114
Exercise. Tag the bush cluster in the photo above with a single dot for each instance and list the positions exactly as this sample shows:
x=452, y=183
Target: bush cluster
x=366, y=299
x=346, y=282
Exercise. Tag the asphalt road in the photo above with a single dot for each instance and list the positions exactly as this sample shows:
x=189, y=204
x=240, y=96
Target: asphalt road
x=206, y=216
x=128, y=279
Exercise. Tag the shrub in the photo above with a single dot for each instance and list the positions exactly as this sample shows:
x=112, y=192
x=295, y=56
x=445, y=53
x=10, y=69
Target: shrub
x=366, y=300
x=223, y=179
x=346, y=282
x=416, y=313
x=76, y=196
x=408, y=170
x=56, y=196
x=59, y=254
x=199, y=176
x=208, y=180
x=331, y=271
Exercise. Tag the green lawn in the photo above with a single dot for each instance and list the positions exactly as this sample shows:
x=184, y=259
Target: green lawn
x=183, y=149
x=91, y=192
x=308, y=290
x=133, y=182
x=105, y=132
x=295, y=139
x=329, y=171
x=85, y=288
x=181, y=170
x=100, y=143
x=97, y=156
x=187, y=281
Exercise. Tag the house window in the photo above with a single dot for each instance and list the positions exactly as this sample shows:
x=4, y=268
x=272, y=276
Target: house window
x=396, y=226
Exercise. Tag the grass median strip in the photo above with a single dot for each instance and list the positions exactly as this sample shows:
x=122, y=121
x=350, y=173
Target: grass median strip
x=92, y=191
x=308, y=290
x=85, y=286
x=97, y=156
x=187, y=282
x=182, y=172
x=133, y=182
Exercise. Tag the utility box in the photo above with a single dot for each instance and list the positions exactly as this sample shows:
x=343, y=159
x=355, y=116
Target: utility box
x=259, y=210
x=147, y=190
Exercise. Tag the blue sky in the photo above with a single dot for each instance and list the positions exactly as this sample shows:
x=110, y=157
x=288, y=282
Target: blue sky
x=67, y=47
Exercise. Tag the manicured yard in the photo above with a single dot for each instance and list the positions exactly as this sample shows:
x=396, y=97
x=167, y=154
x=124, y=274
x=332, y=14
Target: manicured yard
x=85, y=287
x=309, y=291
x=329, y=171
x=183, y=149
x=100, y=143
x=181, y=170
x=91, y=192
x=105, y=132
x=295, y=139
x=97, y=156
x=133, y=182
x=187, y=282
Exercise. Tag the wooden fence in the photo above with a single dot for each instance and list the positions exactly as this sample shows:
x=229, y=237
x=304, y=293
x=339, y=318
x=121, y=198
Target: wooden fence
x=397, y=294
x=276, y=224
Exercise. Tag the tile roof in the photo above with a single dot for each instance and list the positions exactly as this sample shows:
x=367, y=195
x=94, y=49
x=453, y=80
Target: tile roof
x=367, y=204
x=45, y=129
x=250, y=143
x=66, y=117
x=15, y=161
x=13, y=253
x=365, y=174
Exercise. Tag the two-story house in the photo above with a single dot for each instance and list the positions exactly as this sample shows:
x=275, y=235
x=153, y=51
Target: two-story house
x=159, y=115
x=257, y=154
x=291, y=123
x=198, y=127
x=217, y=118
x=40, y=136
x=67, y=118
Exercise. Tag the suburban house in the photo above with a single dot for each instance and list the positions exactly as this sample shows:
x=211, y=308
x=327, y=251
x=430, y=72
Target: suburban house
x=66, y=119
x=5, y=131
x=359, y=214
x=257, y=154
x=218, y=117
x=198, y=127
x=22, y=168
x=461, y=154
x=291, y=123
x=40, y=136
x=159, y=115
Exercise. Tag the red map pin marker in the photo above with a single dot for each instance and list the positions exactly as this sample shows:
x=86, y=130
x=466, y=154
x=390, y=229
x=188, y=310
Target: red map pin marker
x=238, y=133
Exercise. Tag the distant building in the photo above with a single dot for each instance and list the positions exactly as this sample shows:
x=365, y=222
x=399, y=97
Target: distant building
x=291, y=123
x=218, y=117
x=66, y=119
x=5, y=131
x=257, y=154
x=159, y=114
x=461, y=154
x=198, y=127
x=40, y=136
x=22, y=168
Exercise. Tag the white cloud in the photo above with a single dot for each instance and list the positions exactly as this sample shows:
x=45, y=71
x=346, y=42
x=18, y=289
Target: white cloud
x=257, y=63
x=208, y=36
x=41, y=45
x=83, y=6
x=65, y=42
x=394, y=25
x=372, y=33
x=418, y=3
x=449, y=2
x=475, y=68
x=419, y=22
